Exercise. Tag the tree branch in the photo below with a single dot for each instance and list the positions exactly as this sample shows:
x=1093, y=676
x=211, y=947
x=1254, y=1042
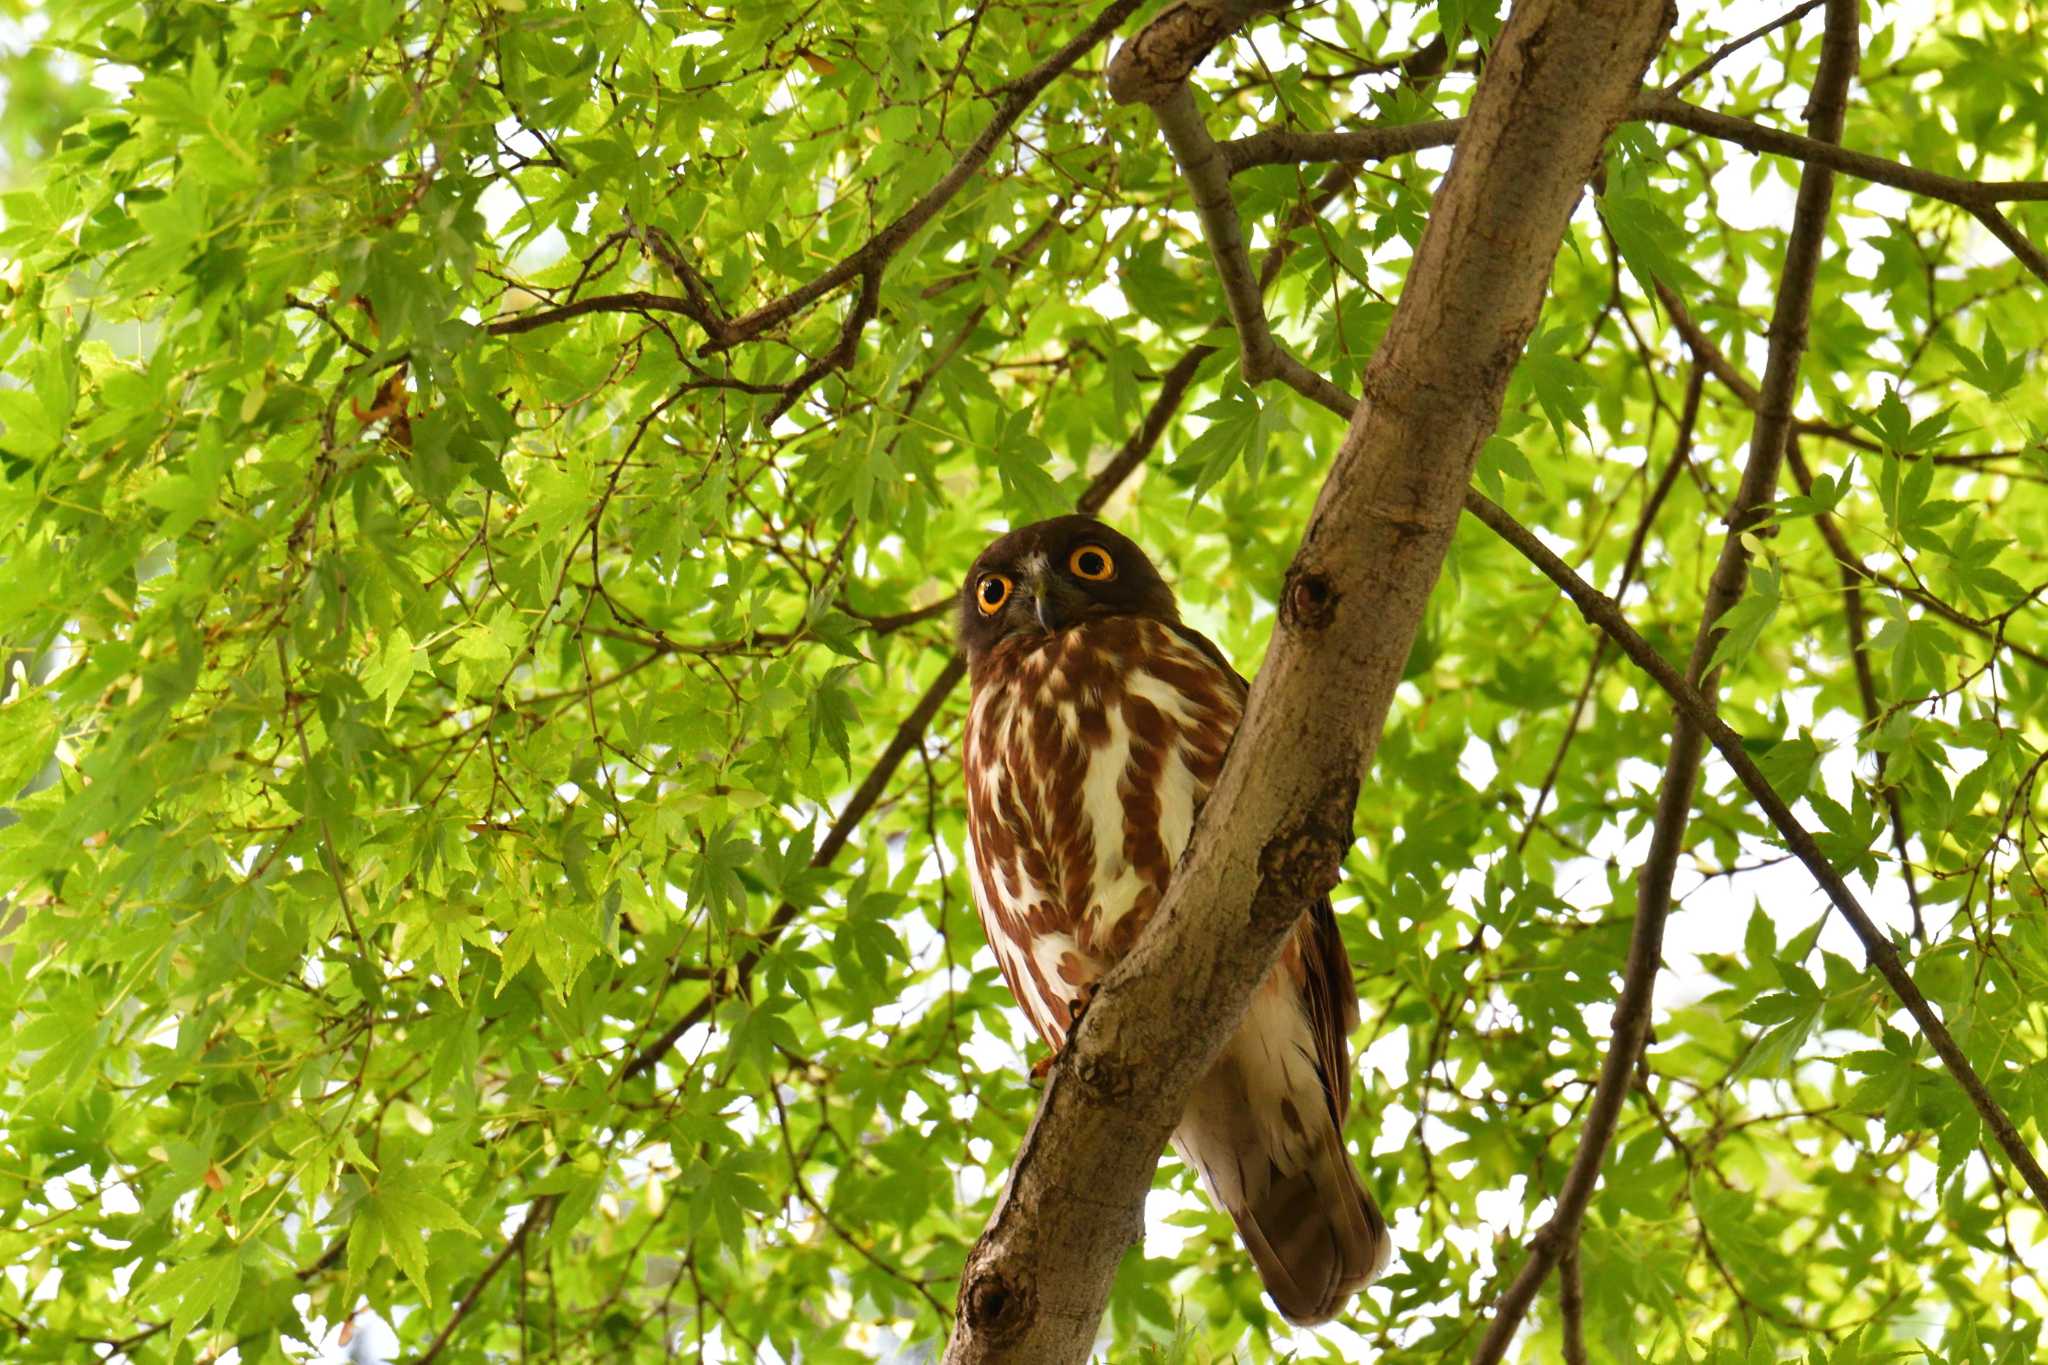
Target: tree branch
x=1560, y=1236
x=1571, y=1302
x=1999, y=226
x=633, y=301
x=1703, y=348
x=1417, y=69
x=535, y=1211
x=1280, y=146
x=1173, y=389
x=1195, y=150
x=1559, y=78
x=1714, y=58
x=1758, y=137
x=1263, y=357
x=1158, y=59
x=1606, y=614
x=1154, y=65
x=1980, y=197
x=873, y=255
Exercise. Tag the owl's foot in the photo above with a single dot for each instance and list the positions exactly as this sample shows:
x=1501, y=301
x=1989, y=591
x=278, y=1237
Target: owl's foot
x=1078, y=1006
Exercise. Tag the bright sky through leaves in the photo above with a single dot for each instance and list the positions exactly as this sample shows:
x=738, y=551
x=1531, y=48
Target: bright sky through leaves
x=481, y=882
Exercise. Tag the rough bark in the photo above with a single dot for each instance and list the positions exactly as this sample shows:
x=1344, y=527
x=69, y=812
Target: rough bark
x=1159, y=57
x=1561, y=76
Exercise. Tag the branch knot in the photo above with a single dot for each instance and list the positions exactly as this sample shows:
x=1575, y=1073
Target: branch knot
x=996, y=1309
x=1303, y=861
x=1310, y=600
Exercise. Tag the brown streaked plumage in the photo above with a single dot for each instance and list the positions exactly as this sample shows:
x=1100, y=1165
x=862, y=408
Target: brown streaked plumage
x=1098, y=726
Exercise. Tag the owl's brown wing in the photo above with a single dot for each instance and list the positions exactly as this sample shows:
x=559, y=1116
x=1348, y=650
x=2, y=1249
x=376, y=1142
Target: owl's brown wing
x=1215, y=654
x=1327, y=985
x=1265, y=1127
x=1332, y=1000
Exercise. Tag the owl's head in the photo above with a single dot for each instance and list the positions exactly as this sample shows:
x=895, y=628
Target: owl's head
x=1040, y=579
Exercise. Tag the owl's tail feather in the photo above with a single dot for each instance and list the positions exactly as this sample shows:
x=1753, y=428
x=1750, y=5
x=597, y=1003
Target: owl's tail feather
x=1315, y=1235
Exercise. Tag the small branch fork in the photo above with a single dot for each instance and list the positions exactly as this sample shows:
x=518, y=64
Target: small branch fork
x=1263, y=357
x=1207, y=168
x=1606, y=614
x=1559, y=1237
x=867, y=264
x=1560, y=77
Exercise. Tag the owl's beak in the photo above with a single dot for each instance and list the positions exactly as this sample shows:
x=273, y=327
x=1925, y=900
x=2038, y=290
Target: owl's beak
x=1047, y=609
x=1052, y=602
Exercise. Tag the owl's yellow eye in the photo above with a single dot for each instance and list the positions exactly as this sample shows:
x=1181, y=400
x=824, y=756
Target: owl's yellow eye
x=1093, y=563
x=991, y=593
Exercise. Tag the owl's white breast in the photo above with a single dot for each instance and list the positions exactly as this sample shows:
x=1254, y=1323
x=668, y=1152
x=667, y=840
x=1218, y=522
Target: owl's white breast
x=1088, y=758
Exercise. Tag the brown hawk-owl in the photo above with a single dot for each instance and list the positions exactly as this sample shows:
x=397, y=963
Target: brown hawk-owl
x=1098, y=726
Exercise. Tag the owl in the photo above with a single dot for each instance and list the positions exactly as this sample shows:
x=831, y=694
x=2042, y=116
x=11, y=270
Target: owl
x=1098, y=726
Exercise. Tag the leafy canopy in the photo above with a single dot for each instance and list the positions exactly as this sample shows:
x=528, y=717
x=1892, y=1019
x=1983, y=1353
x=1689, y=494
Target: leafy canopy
x=481, y=855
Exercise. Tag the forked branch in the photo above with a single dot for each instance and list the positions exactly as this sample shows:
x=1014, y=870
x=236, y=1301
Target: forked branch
x=1560, y=77
x=1560, y=1236
x=1605, y=613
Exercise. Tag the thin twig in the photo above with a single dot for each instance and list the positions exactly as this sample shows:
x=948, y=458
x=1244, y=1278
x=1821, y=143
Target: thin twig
x=535, y=1211
x=1172, y=390
x=1681, y=454
x=1603, y=612
x=1851, y=570
x=1273, y=146
x=868, y=1254
x=1631, y=1021
x=1714, y=58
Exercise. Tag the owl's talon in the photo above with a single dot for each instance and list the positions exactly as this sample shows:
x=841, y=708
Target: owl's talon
x=1078, y=1006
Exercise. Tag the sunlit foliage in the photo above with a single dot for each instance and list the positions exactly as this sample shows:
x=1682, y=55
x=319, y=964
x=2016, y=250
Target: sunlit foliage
x=480, y=873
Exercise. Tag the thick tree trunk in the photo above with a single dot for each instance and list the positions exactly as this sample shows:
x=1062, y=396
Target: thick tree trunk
x=1274, y=833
